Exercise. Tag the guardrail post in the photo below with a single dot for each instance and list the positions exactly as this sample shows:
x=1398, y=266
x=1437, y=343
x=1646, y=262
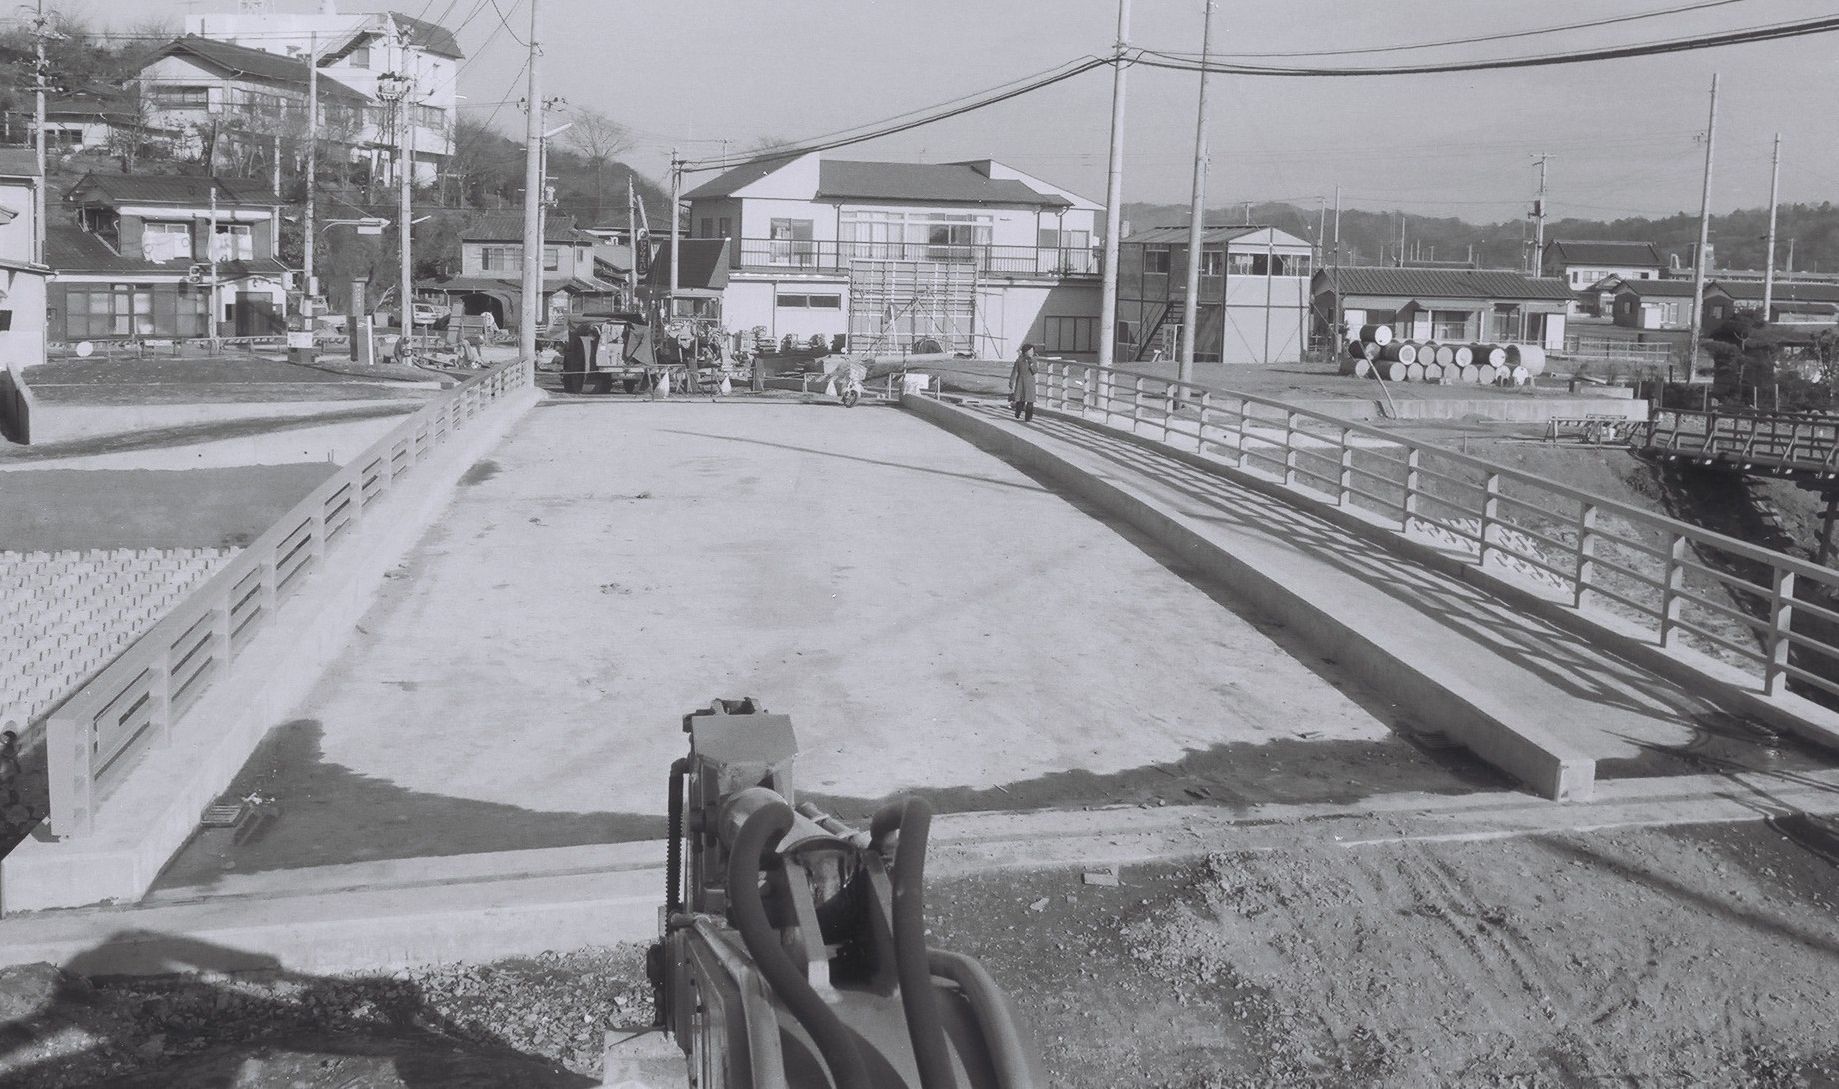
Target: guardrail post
x=1672, y=584
x=1289, y=449
x=1413, y=486
x=1238, y=441
x=159, y=696
x=1200, y=430
x=71, y=775
x=1346, y=494
x=1168, y=410
x=1586, y=555
x=1136, y=404
x=1490, y=510
x=1781, y=623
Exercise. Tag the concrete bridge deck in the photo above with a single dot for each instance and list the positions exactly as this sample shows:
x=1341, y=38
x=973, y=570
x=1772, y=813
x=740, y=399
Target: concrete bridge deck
x=931, y=616
x=934, y=617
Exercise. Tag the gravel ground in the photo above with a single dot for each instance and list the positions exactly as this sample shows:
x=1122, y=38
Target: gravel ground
x=1640, y=958
x=525, y=1022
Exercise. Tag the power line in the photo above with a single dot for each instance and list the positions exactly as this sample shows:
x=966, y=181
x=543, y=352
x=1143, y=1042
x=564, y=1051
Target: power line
x=931, y=116
x=1746, y=36
x=1506, y=36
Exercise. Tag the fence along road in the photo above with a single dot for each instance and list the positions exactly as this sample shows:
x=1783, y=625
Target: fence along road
x=1727, y=625
x=94, y=738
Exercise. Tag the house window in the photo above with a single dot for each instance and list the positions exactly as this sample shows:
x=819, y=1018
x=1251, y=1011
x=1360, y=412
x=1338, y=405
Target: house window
x=1449, y=325
x=97, y=311
x=500, y=258
x=791, y=242
x=1070, y=334
x=1156, y=260
x=1212, y=262
x=552, y=258
x=810, y=302
x=359, y=57
x=1239, y=264
x=708, y=228
x=170, y=97
x=235, y=242
x=723, y=228
x=166, y=241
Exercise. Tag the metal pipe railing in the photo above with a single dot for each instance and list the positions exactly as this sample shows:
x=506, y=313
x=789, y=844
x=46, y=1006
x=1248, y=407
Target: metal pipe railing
x=1603, y=554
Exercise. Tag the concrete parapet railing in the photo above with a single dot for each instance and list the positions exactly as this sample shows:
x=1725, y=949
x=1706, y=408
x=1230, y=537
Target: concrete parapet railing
x=95, y=737
x=1694, y=605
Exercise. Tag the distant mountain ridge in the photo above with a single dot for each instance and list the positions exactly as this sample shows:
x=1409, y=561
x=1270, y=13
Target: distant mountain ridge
x=1736, y=239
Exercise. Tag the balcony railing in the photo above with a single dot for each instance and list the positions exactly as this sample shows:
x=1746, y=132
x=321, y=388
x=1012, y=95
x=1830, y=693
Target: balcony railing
x=804, y=255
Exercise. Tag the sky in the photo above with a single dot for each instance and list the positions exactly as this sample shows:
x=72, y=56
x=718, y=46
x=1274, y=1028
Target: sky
x=715, y=77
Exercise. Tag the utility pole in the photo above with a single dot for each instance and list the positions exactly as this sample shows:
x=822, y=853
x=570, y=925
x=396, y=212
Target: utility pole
x=42, y=73
x=312, y=175
x=1768, y=267
x=676, y=235
x=533, y=205
x=1114, y=195
x=1698, y=257
x=1190, y=305
x=405, y=169
x=210, y=249
x=1538, y=254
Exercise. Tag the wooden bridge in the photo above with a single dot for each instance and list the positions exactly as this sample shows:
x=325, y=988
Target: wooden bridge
x=1803, y=447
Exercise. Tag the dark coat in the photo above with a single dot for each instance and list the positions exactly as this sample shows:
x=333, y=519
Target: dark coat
x=1021, y=381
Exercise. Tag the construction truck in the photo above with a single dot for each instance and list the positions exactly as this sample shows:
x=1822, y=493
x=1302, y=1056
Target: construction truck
x=793, y=947
x=602, y=350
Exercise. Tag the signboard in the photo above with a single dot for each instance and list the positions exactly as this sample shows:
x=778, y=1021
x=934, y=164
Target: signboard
x=300, y=339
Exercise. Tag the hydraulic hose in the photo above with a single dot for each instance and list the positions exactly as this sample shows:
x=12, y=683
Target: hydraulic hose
x=762, y=829
x=673, y=851
x=1012, y=1051
x=925, y=1026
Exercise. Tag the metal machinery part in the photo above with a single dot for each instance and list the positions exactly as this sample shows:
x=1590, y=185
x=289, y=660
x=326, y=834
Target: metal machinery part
x=793, y=946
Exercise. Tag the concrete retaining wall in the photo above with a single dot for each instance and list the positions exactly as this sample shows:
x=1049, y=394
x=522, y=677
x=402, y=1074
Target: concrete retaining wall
x=154, y=812
x=1546, y=763
x=16, y=404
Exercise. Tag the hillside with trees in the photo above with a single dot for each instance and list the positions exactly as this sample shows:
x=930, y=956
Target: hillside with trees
x=486, y=172
x=1372, y=237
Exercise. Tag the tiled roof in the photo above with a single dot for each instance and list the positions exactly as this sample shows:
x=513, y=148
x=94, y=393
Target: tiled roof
x=1660, y=289
x=1178, y=236
x=166, y=189
x=509, y=227
x=724, y=184
x=943, y=183
x=18, y=162
x=1585, y=252
x=705, y=264
x=72, y=249
x=489, y=284
x=1785, y=290
x=933, y=183
x=1444, y=283
x=240, y=61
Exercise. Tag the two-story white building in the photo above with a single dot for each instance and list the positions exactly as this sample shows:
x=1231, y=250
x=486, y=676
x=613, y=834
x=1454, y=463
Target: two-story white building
x=22, y=276
x=1586, y=264
x=356, y=50
x=165, y=257
x=968, y=256
x=212, y=97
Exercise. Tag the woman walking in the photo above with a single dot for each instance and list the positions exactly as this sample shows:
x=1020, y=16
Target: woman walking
x=1021, y=384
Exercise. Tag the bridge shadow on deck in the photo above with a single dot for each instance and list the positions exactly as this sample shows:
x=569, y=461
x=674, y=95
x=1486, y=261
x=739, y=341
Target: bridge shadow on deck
x=1556, y=656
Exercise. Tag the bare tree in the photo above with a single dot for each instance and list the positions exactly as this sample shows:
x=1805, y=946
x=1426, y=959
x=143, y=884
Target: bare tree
x=600, y=139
